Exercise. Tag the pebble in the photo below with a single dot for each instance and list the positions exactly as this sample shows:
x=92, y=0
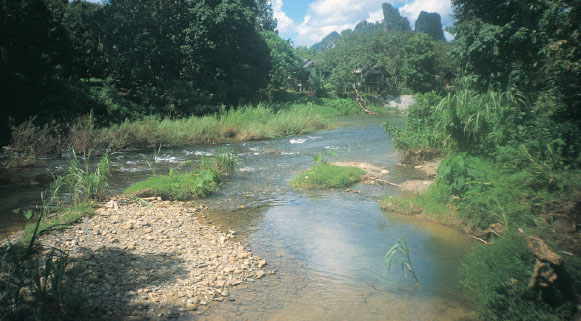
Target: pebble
x=140, y=261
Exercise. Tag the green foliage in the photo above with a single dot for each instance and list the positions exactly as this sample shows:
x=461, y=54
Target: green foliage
x=285, y=63
x=485, y=192
x=495, y=124
x=325, y=175
x=317, y=82
x=400, y=206
x=529, y=42
x=420, y=137
x=180, y=187
x=388, y=61
x=132, y=58
x=63, y=218
x=401, y=254
x=497, y=279
x=262, y=121
x=419, y=69
x=152, y=164
x=82, y=187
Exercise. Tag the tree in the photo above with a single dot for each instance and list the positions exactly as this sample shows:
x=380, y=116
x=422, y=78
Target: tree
x=83, y=23
x=430, y=24
x=264, y=15
x=418, y=71
x=224, y=53
x=34, y=50
x=285, y=64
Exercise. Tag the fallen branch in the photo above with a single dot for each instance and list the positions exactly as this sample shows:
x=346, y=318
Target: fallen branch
x=479, y=239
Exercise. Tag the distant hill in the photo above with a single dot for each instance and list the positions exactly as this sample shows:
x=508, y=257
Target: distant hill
x=429, y=23
x=368, y=27
x=327, y=42
x=392, y=20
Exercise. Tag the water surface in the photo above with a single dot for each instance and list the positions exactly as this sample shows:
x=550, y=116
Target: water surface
x=327, y=247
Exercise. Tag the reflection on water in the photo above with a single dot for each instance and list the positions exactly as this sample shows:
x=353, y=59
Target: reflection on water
x=327, y=247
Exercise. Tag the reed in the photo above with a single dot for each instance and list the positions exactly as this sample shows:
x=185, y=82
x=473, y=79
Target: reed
x=401, y=254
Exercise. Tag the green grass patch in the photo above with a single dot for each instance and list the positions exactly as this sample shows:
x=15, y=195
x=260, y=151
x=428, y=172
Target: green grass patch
x=179, y=187
x=325, y=175
x=62, y=218
x=405, y=206
x=427, y=204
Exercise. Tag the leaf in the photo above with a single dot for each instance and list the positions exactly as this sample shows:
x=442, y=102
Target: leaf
x=28, y=214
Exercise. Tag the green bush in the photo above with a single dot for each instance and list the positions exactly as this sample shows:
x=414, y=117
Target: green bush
x=485, y=192
x=421, y=132
x=325, y=175
x=497, y=277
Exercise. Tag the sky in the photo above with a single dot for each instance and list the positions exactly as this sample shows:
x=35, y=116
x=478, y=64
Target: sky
x=306, y=22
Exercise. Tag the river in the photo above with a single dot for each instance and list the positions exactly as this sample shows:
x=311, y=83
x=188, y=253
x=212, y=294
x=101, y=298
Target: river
x=327, y=247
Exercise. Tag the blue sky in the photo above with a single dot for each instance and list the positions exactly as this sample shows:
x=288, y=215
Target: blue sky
x=306, y=22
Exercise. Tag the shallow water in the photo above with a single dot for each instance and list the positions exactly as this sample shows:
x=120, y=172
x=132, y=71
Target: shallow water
x=327, y=246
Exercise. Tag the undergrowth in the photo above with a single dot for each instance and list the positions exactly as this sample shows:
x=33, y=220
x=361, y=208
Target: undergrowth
x=498, y=278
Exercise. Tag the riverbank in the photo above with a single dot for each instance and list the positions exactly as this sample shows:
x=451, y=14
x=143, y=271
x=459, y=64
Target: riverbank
x=247, y=123
x=153, y=260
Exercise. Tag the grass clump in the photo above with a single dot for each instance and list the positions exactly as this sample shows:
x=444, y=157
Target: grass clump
x=179, y=187
x=325, y=175
x=224, y=163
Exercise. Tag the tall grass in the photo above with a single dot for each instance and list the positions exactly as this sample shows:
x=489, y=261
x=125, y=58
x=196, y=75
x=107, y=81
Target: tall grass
x=85, y=184
x=261, y=121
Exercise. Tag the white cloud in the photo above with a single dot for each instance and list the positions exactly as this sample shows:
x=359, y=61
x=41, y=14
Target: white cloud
x=412, y=10
x=326, y=16
x=284, y=23
x=375, y=16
